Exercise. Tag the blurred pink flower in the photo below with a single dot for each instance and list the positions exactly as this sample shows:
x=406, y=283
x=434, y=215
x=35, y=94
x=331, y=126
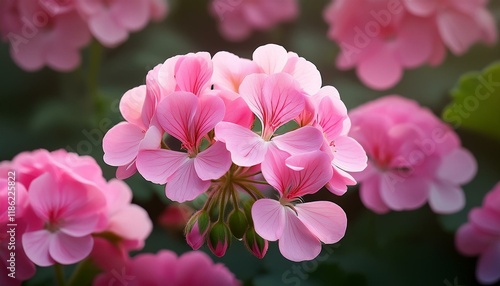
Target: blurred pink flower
x=41, y=34
x=193, y=268
x=382, y=38
x=413, y=157
x=460, y=23
x=238, y=18
x=66, y=212
x=175, y=216
x=299, y=227
x=481, y=236
x=110, y=21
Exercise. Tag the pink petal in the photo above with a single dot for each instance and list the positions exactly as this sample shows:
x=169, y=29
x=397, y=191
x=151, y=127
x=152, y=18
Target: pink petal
x=275, y=171
x=268, y=218
x=121, y=144
x=349, y=155
x=401, y=193
x=315, y=171
x=193, y=74
x=106, y=30
x=302, y=140
x=230, y=70
x=331, y=113
x=421, y=7
x=297, y=243
x=175, y=114
x=66, y=249
x=274, y=99
x=210, y=111
x=415, y=47
x=326, y=220
x=458, y=31
x=271, y=58
x=213, y=162
x=131, y=105
x=487, y=265
x=458, y=167
x=369, y=192
x=247, y=148
x=304, y=72
x=159, y=269
x=185, y=184
x=63, y=58
x=158, y=166
x=131, y=222
x=126, y=171
x=339, y=182
x=79, y=225
x=445, y=198
x=486, y=219
x=130, y=14
x=380, y=70
x=470, y=240
x=36, y=245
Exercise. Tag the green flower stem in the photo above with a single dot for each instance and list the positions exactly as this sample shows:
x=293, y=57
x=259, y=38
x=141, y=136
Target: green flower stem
x=93, y=73
x=59, y=274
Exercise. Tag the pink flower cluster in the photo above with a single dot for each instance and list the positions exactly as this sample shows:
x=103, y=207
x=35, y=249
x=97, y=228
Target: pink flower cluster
x=382, y=38
x=165, y=268
x=237, y=18
x=300, y=143
x=62, y=206
x=414, y=157
x=51, y=32
x=481, y=236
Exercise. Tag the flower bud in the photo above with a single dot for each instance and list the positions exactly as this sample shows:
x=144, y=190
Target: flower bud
x=219, y=239
x=196, y=229
x=255, y=244
x=238, y=223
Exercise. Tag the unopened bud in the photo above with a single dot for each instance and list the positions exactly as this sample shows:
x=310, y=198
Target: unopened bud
x=196, y=229
x=238, y=223
x=219, y=239
x=255, y=244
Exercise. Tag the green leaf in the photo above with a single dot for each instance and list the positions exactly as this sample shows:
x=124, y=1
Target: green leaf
x=476, y=102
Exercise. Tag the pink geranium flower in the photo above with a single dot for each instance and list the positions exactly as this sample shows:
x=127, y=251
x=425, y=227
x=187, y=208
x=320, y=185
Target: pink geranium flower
x=237, y=19
x=481, y=236
x=414, y=158
x=188, y=118
x=165, y=268
x=43, y=34
x=66, y=213
x=300, y=228
x=275, y=99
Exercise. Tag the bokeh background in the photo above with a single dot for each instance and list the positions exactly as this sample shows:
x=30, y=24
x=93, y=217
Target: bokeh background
x=52, y=110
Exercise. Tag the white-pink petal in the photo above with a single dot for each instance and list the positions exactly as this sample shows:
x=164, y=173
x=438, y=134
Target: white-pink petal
x=158, y=165
x=457, y=167
x=349, y=155
x=446, y=198
x=66, y=249
x=271, y=58
x=121, y=143
x=185, y=184
x=213, y=162
x=268, y=218
x=303, y=140
x=326, y=220
x=247, y=148
x=297, y=243
x=36, y=245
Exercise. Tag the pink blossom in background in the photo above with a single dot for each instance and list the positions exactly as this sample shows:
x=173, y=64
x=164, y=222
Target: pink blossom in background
x=382, y=38
x=63, y=205
x=110, y=22
x=299, y=227
x=460, y=23
x=414, y=158
x=238, y=18
x=175, y=216
x=480, y=236
x=166, y=268
x=43, y=35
